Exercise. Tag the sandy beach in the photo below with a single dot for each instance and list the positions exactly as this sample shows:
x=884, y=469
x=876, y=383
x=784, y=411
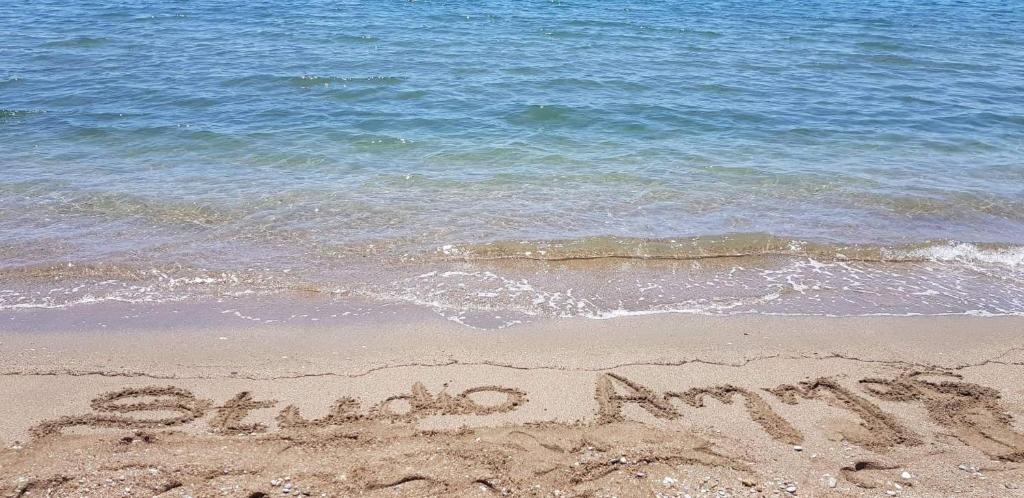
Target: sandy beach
x=664, y=405
x=530, y=249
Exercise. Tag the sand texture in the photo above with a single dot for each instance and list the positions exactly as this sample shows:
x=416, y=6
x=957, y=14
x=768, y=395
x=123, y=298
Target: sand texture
x=654, y=406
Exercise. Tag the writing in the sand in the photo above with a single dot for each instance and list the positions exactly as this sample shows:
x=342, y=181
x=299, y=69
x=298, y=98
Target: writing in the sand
x=973, y=413
x=179, y=407
x=978, y=418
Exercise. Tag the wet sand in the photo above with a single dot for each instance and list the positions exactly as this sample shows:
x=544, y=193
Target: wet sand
x=670, y=405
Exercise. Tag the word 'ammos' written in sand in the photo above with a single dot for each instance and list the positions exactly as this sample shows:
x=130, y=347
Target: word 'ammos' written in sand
x=973, y=413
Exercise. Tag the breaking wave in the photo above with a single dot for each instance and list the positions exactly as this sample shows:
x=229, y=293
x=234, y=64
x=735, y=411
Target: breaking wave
x=735, y=246
x=504, y=283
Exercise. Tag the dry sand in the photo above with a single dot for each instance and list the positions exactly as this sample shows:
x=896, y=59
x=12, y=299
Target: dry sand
x=648, y=406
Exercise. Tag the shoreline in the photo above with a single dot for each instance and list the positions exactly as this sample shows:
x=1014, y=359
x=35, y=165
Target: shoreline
x=551, y=280
x=427, y=407
x=534, y=249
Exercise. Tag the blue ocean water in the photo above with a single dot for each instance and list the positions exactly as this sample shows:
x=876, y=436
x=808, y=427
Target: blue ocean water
x=318, y=143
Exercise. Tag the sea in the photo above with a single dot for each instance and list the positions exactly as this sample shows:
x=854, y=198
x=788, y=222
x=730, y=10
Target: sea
x=500, y=162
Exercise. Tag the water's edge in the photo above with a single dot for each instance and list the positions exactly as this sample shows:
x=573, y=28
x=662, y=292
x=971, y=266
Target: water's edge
x=505, y=283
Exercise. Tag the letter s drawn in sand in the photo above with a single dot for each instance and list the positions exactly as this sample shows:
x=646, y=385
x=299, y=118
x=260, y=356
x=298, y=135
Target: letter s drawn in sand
x=114, y=405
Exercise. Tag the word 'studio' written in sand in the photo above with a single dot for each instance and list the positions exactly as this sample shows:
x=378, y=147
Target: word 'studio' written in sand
x=973, y=413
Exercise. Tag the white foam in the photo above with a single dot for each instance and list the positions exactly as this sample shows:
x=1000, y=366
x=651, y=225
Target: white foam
x=971, y=253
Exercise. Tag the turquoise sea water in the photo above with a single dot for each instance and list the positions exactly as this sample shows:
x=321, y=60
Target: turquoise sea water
x=832, y=149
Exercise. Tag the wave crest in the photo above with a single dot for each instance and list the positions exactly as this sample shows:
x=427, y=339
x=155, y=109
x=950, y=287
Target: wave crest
x=746, y=245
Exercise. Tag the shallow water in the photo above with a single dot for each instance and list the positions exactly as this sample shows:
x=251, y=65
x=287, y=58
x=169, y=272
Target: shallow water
x=169, y=151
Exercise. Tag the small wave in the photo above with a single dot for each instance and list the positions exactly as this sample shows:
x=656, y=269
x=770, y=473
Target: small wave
x=119, y=206
x=309, y=80
x=356, y=38
x=764, y=274
x=380, y=142
x=545, y=115
x=81, y=41
x=6, y=114
x=731, y=246
x=705, y=33
x=69, y=285
x=887, y=46
x=96, y=272
x=1012, y=256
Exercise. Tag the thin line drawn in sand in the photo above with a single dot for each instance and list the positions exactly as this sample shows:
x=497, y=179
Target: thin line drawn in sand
x=610, y=402
x=113, y=407
x=422, y=403
x=228, y=417
x=758, y=409
x=699, y=455
x=876, y=431
x=582, y=453
x=856, y=473
x=398, y=482
x=343, y=411
x=974, y=413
